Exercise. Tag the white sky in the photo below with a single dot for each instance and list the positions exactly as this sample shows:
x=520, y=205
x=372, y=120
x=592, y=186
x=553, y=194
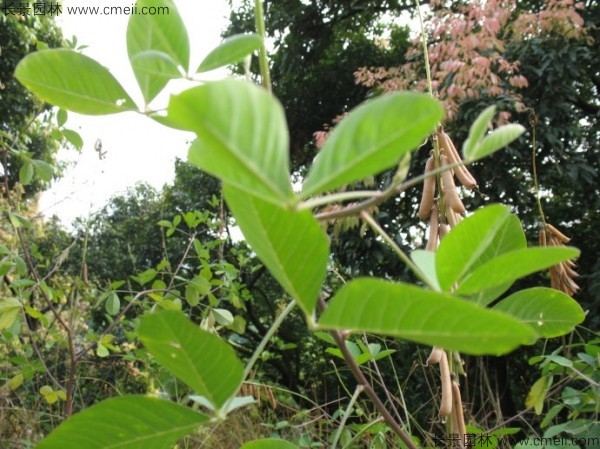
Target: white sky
x=138, y=149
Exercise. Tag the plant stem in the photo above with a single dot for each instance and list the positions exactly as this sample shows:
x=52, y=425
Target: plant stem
x=263, y=344
x=425, y=52
x=536, y=187
x=359, y=389
x=379, y=230
x=336, y=197
x=259, y=18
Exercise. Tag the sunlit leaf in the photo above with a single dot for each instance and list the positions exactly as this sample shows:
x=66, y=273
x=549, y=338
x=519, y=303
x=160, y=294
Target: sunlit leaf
x=73, y=137
x=242, y=136
x=26, y=173
x=428, y=317
x=157, y=44
x=129, y=422
x=9, y=311
x=496, y=140
x=200, y=359
x=291, y=244
x=372, y=138
x=464, y=246
x=73, y=81
x=550, y=312
x=537, y=394
x=477, y=131
x=44, y=170
x=230, y=51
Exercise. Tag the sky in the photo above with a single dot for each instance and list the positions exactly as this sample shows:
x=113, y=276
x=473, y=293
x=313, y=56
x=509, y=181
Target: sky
x=137, y=148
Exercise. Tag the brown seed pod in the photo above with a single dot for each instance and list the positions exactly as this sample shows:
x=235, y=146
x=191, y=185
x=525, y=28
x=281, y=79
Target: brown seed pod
x=462, y=173
x=446, y=402
x=443, y=230
x=451, y=195
x=451, y=217
x=435, y=356
x=543, y=241
x=432, y=240
x=556, y=233
x=457, y=411
x=428, y=191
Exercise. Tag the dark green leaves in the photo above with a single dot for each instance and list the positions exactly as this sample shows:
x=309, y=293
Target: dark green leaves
x=158, y=46
x=73, y=81
x=372, y=138
x=242, y=136
x=431, y=318
x=200, y=359
x=230, y=51
x=131, y=422
x=291, y=244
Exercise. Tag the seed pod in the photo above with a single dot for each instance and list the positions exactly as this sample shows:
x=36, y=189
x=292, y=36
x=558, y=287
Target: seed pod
x=451, y=217
x=458, y=412
x=435, y=356
x=451, y=195
x=432, y=241
x=443, y=230
x=446, y=402
x=428, y=191
x=559, y=235
x=462, y=173
x=543, y=241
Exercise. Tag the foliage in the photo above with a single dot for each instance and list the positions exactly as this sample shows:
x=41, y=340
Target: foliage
x=186, y=291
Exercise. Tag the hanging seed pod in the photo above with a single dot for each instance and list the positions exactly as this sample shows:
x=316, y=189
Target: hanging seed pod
x=450, y=192
x=458, y=412
x=556, y=233
x=462, y=173
x=432, y=241
x=428, y=191
x=446, y=402
x=435, y=356
x=443, y=230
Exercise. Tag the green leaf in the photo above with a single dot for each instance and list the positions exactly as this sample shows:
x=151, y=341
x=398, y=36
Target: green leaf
x=113, y=304
x=26, y=173
x=157, y=44
x=550, y=312
x=129, y=422
x=201, y=360
x=153, y=70
x=537, y=394
x=431, y=318
x=269, y=443
x=477, y=131
x=44, y=170
x=61, y=117
x=291, y=244
x=425, y=260
x=372, y=138
x=511, y=266
x=9, y=311
x=242, y=136
x=73, y=137
x=230, y=51
x=496, y=140
x=467, y=243
x=73, y=81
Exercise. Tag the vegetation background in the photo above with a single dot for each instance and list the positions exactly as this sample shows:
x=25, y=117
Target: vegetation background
x=535, y=60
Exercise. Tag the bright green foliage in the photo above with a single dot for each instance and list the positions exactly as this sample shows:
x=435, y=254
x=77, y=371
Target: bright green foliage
x=269, y=443
x=509, y=267
x=9, y=311
x=230, y=51
x=538, y=393
x=432, y=318
x=372, y=138
x=462, y=248
x=73, y=81
x=477, y=131
x=129, y=422
x=200, y=359
x=242, y=136
x=291, y=244
x=550, y=312
x=496, y=140
x=477, y=146
x=157, y=46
